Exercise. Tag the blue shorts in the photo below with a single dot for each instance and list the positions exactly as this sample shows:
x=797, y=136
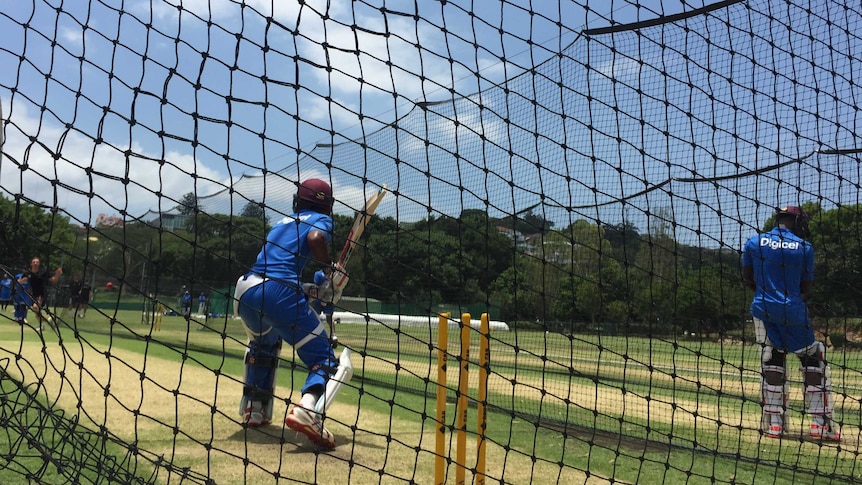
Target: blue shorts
x=20, y=311
x=272, y=311
x=787, y=338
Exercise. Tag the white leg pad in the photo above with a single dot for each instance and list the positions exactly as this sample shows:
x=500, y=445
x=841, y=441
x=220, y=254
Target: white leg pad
x=818, y=398
x=333, y=386
x=774, y=397
x=817, y=378
x=245, y=401
x=759, y=331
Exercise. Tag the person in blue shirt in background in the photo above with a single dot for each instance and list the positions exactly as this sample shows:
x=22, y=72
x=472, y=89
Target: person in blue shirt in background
x=22, y=297
x=5, y=292
x=202, y=304
x=274, y=308
x=187, y=303
x=779, y=266
x=38, y=280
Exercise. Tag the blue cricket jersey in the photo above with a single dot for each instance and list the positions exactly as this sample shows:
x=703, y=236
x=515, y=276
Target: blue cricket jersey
x=6, y=289
x=286, y=250
x=781, y=261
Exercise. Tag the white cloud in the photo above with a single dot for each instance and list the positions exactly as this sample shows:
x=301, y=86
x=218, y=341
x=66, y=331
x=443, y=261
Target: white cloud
x=390, y=60
x=73, y=39
x=473, y=123
x=347, y=30
x=320, y=110
x=222, y=11
x=624, y=69
x=108, y=168
x=169, y=9
x=276, y=191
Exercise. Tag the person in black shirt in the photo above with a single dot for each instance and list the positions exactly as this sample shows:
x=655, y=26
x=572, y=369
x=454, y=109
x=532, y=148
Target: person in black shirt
x=79, y=297
x=84, y=297
x=39, y=279
x=74, y=290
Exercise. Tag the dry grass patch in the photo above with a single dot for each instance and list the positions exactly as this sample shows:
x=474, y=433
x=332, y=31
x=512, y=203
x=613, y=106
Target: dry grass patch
x=166, y=407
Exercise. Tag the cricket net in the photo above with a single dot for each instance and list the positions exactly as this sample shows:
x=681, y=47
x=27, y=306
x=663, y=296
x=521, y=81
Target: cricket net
x=583, y=172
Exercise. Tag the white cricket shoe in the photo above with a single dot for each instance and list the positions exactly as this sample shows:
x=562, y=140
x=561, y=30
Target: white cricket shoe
x=776, y=426
x=824, y=431
x=308, y=423
x=774, y=431
x=254, y=415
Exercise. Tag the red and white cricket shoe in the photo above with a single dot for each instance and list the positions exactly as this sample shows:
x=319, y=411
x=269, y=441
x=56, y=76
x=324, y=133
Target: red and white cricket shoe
x=308, y=423
x=254, y=415
x=825, y=432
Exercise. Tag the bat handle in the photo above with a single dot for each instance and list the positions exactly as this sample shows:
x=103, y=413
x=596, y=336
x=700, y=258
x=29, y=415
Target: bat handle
x=333, y=339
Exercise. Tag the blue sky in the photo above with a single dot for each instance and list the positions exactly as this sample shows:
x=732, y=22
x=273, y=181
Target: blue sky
x=193, y=99
x=108, y=67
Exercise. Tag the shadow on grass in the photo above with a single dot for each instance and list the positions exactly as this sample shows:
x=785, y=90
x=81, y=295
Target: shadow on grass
x=273, y=434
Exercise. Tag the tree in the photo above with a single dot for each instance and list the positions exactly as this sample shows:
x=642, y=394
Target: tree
x=222, y=248
x=534, y=223
x=590, y=296
x=837, y=239
x=624, y=239
x=28, y=230
x=654, y=277
x=189, y=204
x=517, y=300
x=255, y=210
x=486, y=251
x=356, y=267
x=452, y=260
x=709, y=297
x=121, y=254
x=529, y=223
x=408, y=267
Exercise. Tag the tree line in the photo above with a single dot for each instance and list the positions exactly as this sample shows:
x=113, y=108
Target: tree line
x=575, y=277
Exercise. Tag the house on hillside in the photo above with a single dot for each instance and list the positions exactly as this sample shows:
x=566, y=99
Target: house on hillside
x=522, y=243
x=169, y=221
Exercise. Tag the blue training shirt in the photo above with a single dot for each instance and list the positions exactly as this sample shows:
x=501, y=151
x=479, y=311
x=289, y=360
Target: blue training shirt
x=21, y=291
x=6, y=289
x=781, y=261
x=286, y=251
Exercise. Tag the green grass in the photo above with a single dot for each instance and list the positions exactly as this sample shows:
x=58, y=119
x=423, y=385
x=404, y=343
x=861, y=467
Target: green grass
x=721, y=375
x=44, y=445
x=652, y=439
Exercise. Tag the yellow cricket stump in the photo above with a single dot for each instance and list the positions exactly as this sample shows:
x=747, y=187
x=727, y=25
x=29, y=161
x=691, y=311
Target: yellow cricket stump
x=442, y=346
x=482, y=404
x=462, y=401
x=461, y=407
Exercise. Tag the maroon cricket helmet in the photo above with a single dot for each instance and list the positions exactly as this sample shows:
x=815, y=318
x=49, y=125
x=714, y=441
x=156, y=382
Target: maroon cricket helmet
x=314, y=194
x=799, y=216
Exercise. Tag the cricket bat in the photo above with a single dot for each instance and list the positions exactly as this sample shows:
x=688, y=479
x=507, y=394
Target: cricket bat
x=339, y=279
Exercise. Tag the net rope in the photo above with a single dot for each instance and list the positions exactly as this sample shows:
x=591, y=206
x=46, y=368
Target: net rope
x=586, y=173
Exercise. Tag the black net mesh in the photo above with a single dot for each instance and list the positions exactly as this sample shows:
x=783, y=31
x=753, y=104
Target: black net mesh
x=584, y=173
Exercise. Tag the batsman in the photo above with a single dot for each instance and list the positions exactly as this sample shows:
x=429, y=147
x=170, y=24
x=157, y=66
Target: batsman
x=275, y=309
x=779, y=266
